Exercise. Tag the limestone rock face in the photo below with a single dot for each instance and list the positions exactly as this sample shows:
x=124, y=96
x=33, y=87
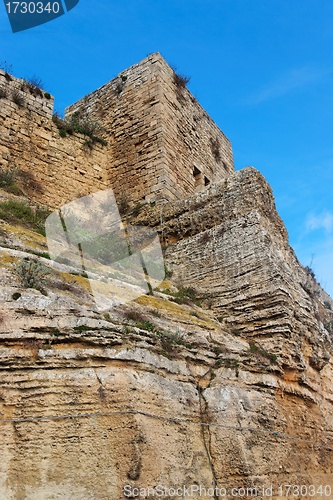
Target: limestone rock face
x=231, y=245
x=222, y=378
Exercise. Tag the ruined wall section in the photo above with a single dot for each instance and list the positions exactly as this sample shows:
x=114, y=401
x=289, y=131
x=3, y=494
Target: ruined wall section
x=129, y=109
x=16, y=89
x=59, y=169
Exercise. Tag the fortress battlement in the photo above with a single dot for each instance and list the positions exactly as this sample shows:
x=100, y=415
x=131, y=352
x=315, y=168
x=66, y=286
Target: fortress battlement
x=160, y=143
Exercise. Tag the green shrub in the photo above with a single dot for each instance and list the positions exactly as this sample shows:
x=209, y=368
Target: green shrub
x=194, y=313
x=34, y=85
x=309, y=271
x=262, y=352
x=82, y=328
x=45, y=255
x=169, y=340
x=106, y=248
x=8, y=178
x=231, y=363
x=16, y=211
x=17, y=98
x=146, y=325
x=186, y=295
x=123, y=204
x=107, y=317
x=217, y=350
x=57, y=119
x=188, y=292
x=167, y=272
x=180, y=80
x=80, y=123
x=31, y=274
x=83, y=124
x=140, y=321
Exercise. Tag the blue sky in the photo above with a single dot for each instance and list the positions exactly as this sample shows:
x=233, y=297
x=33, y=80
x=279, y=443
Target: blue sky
x=263, y=69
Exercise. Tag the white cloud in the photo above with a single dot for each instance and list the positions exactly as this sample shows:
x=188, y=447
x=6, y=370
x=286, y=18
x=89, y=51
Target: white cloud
x=320, y=221
x=294, y=79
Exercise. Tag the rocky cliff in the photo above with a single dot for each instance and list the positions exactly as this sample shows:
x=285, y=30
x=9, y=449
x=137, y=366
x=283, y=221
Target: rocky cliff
x=222, y=378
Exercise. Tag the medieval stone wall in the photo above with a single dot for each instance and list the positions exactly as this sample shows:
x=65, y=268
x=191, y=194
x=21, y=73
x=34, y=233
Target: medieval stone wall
x=161, y=144
x=197, y=153
x=164, y=145
x=129, y=109
x=59, y=168
x=13, y=89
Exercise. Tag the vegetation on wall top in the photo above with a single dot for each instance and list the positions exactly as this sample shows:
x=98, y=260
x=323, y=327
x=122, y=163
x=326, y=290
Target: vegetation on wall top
x=80, y=123
x=33, y=85
x=180, y=82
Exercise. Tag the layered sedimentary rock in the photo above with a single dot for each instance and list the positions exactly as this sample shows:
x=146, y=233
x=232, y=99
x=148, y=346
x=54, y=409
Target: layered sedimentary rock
x=222, y=378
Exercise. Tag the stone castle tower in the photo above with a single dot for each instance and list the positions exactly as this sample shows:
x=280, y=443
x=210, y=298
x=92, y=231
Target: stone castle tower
x=161, y=144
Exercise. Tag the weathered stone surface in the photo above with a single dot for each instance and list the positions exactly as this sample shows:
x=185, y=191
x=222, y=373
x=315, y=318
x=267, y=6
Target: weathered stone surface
x=159, y=132
x=241, y=396
x=230, y=244
x=161, y=144
x=58, y=169
x=223, y=377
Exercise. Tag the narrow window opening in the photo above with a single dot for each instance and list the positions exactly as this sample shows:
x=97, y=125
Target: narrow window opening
x=196, y=172
x=198, y=179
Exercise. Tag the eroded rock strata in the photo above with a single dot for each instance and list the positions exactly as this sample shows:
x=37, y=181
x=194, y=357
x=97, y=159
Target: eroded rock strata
x=222, y=377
